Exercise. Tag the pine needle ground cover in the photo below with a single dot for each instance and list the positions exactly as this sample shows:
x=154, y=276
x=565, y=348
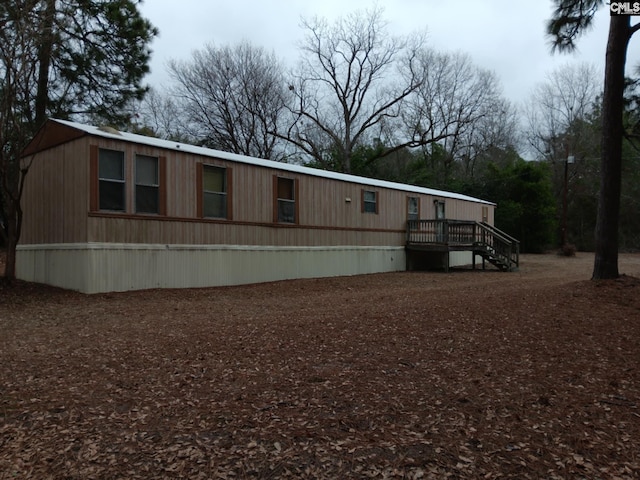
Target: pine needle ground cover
x=471, y=374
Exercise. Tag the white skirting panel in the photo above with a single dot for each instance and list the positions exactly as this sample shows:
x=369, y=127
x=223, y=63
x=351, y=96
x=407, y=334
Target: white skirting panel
x=460, y=259
x=108, y=267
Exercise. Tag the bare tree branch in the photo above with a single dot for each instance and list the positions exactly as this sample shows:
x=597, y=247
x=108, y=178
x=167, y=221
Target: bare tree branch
x=232, y=99
x=343, y=87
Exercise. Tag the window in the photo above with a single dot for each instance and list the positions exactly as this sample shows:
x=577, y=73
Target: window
x=214, y=186
x=439, y=205
x=440, y=217
x=111, y=180
x=485, y=214
x=147, y=184
x=285, y=200
x=369, y=201
x=413, y=210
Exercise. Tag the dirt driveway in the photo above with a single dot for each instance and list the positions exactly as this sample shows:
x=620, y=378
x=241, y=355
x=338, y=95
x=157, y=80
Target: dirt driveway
x=471, y=374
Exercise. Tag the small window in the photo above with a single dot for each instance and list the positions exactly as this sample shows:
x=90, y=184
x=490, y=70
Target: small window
x=286, y=200
x=111, y=180
x=369, y=201
x=413, y=211
x=485, y=214
x=147, y=184
x=439, y=204
x=214, y=186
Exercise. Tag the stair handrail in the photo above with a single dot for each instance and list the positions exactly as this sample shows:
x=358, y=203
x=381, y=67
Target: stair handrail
x=512, y=245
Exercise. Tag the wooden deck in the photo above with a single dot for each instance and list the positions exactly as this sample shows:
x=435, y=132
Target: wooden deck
x=482, y=239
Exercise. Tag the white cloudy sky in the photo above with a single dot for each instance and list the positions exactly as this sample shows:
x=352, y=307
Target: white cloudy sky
x=504, y=36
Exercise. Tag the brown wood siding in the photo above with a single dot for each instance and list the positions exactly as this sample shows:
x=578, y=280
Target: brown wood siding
x=75, y=198
x=162, y=185
x=296, y=197
x=328, y=211
x=274, y=199
x=229, y=193
x=199, y=190
x=94, y=182
x=57, y=195
x=133, y=229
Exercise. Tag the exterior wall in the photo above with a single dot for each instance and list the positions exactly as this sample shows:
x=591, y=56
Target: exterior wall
x=94, y=268
x=58, y=192
x=112, y=229
x=55, y=198
x=67, y=242
x=330, y=211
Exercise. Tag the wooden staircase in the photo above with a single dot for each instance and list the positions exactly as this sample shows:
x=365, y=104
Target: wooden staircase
x=497, y=247
x=483, y=240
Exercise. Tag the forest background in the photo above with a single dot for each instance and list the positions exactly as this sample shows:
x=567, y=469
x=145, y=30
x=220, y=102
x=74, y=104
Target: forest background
x=359, y=100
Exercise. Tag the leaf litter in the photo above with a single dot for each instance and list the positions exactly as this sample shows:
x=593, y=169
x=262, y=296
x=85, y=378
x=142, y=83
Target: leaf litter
x=470, y=374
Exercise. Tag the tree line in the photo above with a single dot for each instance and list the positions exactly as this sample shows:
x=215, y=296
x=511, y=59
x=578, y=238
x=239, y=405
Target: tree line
x=359, y=101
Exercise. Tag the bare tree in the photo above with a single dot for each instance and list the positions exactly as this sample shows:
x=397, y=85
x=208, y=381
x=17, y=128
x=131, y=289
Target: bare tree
x=449, y=107
x=233, y=98
x=495, y=131
x=555, y=108
x=351, y=84
x=159, y=115
x=560, y=130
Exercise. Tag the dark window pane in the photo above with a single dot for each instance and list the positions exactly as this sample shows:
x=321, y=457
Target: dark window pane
x=146, y=170
x=215, y=205
x=369, y=196
x=146, y=199
x=111, y=195
x=370, y=207
x=214, y=179
x=285, y=188
x=111, y=164
x=286, y=211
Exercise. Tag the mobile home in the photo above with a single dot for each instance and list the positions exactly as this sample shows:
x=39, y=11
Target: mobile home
x=106, y=210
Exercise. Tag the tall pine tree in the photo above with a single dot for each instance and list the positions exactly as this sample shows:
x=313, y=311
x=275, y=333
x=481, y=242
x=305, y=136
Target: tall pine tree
x=82, y=59
x=570, y=19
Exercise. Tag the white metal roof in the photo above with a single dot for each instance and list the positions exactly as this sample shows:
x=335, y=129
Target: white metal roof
x=208, y=152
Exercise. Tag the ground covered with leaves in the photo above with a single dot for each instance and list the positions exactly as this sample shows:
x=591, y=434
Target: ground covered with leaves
x=470, y=374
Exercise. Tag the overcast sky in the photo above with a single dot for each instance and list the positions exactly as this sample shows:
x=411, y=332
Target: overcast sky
x=507, y=37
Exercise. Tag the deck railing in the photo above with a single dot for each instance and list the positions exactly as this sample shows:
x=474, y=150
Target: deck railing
x=448, y=232
x=478, y=236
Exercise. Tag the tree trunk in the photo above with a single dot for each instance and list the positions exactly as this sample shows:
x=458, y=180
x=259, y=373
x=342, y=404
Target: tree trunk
x=10, y=260
x=606, y=234
x=11, y=243
x=44, y=62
